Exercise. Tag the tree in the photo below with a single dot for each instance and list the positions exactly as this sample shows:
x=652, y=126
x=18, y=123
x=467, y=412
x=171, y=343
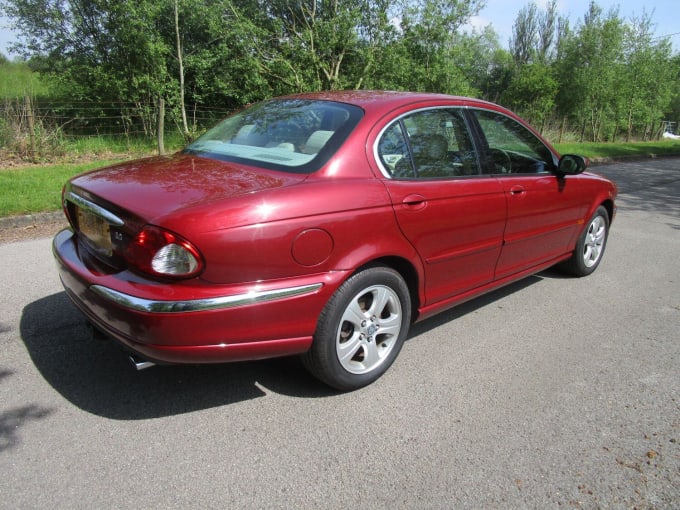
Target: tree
x=532, y=92
x=487, y=66
x=100, y=49
x=220, y=43
x=614, y=76
x=430, y=44
x=525, y=35
x=322, y=33
x=180, y=64
x=588, y=72
x=672, y=112
x=120, y=50
x=531, y=88
x=647, y=88
x=548, y=23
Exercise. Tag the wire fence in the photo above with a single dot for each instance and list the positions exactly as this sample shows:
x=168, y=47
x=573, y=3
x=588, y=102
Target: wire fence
x=35, y=129
x=47, y=130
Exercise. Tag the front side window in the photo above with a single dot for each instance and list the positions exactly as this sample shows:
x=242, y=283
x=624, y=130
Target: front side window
x=512, y=148
x=428, y=144
x=292, y=135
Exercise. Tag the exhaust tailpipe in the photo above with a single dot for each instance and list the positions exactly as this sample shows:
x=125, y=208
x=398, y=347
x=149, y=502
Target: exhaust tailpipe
x=140, y=364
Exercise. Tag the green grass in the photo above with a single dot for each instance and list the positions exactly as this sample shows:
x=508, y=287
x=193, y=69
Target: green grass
x=621, y=150
x=37, y=189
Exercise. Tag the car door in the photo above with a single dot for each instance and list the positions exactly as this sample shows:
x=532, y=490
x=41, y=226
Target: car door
x=453, y=215
x=544, y=210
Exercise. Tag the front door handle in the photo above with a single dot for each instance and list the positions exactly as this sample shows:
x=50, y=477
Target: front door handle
x=414, y=201
x=518, y=190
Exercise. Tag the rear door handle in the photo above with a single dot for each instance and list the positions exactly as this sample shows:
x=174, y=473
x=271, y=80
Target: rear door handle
x=518, y=190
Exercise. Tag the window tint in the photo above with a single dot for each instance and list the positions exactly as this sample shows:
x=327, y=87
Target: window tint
x=428, y=144
x=513, y=149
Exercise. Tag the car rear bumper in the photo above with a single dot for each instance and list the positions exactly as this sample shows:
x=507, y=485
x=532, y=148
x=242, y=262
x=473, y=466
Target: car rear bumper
x=189, y=322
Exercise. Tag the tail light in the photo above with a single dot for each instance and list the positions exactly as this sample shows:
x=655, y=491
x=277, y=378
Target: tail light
x=65, y=207
x=158, y=252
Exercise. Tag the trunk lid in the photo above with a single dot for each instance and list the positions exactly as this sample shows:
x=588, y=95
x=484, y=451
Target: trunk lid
x=156, y=187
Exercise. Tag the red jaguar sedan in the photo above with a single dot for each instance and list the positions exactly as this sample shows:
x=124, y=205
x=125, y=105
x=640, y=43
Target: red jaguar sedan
x=324, y=225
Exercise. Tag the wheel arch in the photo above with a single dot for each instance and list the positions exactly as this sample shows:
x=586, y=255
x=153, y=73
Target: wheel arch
x=407, y=271
x=609, y=206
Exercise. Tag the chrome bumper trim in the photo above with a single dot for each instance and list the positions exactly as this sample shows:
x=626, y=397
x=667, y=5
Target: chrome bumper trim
x=200, y=305
x=94, y=208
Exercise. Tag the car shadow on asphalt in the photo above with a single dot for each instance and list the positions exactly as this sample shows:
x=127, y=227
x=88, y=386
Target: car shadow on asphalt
x=479, y=302
x=96, y=376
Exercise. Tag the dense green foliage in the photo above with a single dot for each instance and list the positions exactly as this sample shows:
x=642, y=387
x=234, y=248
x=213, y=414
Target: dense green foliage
x=603, y=78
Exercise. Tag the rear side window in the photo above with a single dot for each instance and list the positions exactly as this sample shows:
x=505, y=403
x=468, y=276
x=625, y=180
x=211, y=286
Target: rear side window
x=428, y=144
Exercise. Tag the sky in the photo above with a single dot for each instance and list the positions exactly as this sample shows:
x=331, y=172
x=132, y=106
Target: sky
x=665, y=14
x=501, y=14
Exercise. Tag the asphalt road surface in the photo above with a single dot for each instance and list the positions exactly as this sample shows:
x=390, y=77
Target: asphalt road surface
x=553, y=392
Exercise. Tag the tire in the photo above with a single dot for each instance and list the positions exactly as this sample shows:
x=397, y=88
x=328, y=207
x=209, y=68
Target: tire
x=590, y=246
x=361, y=329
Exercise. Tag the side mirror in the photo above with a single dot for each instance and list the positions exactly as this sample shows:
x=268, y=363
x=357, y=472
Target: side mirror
x=571, y=164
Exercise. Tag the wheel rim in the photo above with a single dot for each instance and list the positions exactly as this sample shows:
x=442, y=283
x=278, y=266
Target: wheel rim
x=595, y=238
x=369, y=329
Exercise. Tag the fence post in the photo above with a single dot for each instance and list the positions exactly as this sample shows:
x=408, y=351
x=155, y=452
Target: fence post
x=161, y=126
x=564, y=122
x=31, y=126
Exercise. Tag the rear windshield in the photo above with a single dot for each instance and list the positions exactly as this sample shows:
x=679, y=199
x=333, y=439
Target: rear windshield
x=293, y=135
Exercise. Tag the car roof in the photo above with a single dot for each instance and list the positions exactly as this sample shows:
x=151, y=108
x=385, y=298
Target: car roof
x=381, y=99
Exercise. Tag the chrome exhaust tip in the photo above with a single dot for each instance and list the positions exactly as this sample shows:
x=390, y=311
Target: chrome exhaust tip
x=140, y=364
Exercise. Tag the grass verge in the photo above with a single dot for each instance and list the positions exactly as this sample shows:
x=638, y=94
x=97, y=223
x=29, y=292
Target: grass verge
x=36, y=189
x=621, y=150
